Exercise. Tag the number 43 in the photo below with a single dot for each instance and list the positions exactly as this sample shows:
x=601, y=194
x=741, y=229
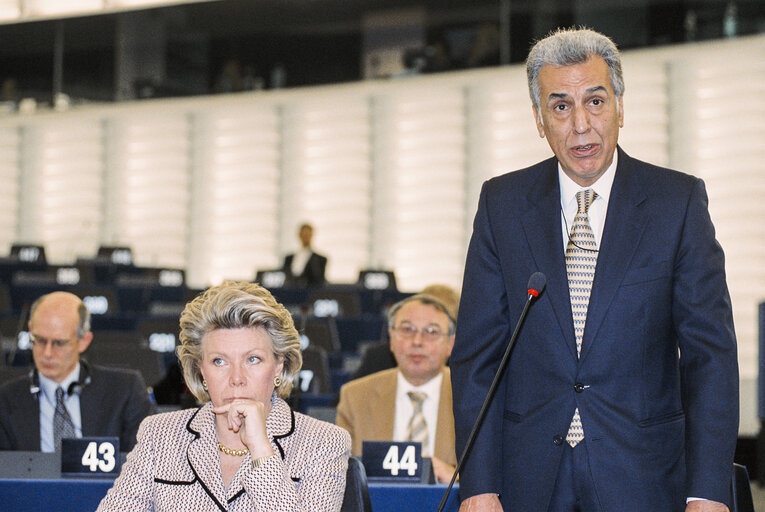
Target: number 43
x=90, y=457
x=407, y=462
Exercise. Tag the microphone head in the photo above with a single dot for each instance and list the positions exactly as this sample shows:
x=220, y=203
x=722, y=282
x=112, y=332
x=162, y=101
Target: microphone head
x=537, y=283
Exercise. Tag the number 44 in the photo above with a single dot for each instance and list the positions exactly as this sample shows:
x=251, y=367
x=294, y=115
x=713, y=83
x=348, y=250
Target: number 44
x=407, y=462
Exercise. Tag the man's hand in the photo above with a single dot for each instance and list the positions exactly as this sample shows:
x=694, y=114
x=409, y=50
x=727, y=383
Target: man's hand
x=481, y=503
x=705, y=506
x=442, y=471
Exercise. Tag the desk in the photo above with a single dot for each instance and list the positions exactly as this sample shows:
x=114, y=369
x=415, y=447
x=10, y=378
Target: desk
x=84, y=495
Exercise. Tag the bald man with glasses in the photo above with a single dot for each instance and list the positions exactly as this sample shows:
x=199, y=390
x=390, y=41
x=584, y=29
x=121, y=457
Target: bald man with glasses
x=413, y=401
x=63, y=396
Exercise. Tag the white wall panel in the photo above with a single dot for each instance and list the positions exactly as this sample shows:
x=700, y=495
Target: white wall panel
x=235, y=206
x=9, y=192
x=61, y=186
x=419, y=171
x=502, y=135
x=645, y=134
x=717, y=134
x=326, y=179
x=148, y=186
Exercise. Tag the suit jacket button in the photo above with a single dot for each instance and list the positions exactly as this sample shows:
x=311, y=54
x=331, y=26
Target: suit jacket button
x=578, y=387
x=558, y=440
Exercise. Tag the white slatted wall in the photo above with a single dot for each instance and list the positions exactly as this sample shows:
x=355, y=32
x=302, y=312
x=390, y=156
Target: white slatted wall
x=9, y=191
x=234, y=213
x=419, y=170
x=326, y=178
x=62, y=177
x=502, y=134
x=148, y=186
x=645, y=134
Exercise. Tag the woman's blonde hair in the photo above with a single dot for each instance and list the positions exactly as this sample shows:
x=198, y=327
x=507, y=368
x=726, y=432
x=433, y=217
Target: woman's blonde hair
x=236, y=305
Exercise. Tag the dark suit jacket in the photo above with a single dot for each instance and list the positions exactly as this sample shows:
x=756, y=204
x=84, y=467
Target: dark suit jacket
x=313, y=273
x=658, y=427
x=113, y=404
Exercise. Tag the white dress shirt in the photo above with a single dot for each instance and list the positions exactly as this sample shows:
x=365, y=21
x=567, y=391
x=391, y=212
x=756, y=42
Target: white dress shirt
x=404, y=409
x=47, y=397
x=300, y=259
x=598, y=208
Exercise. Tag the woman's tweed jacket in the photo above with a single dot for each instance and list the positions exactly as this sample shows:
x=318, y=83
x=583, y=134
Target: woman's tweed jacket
x=176, y=466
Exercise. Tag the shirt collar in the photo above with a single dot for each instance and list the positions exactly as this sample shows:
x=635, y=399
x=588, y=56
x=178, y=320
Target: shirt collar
x=430, y=388
x=48, y=386
x=602, y=187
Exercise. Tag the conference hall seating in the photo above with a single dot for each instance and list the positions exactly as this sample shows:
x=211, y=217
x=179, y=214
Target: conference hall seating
x=135, y=310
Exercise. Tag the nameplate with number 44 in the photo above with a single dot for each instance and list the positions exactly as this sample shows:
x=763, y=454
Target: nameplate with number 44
x=90, y=456
x=389, y=460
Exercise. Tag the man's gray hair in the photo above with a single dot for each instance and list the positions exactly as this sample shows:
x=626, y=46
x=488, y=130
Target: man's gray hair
x=428, y=300
x=566, y=47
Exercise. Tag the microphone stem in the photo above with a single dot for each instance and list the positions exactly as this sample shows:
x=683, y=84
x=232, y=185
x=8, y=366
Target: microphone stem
x=487, y=400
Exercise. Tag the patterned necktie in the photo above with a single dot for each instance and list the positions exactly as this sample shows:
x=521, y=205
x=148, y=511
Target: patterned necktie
x=418, y=429
x=581, y=258
x=62, y=422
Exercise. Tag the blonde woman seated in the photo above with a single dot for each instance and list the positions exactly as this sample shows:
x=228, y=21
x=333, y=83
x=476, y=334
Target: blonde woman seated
x=244, y=449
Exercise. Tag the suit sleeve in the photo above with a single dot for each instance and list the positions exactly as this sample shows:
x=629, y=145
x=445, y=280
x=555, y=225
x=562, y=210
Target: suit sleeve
x=708, y=362
x=482, y=329
x=137, y=407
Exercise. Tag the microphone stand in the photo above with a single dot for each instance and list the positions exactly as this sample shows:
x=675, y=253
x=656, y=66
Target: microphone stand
x=492, y=390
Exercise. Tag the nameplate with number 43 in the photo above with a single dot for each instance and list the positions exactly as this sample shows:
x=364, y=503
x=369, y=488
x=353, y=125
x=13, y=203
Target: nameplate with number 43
x=90, y=456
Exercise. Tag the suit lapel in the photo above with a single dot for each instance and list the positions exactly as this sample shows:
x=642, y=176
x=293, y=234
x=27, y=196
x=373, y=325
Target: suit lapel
x=27, y=418
x=88, y=412
x=542, y=226
x=383, y=406
x=625, y=222
x=203, y=452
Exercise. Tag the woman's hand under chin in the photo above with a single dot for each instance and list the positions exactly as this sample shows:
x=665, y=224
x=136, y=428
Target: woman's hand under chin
x=247, y=418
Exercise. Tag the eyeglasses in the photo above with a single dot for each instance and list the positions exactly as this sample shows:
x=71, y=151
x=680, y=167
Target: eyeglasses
x=40, y=342
x=429, y=333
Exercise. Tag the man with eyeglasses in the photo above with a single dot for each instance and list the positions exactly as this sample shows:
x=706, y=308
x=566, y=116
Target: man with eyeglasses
x=63, y=396
x=413, y=401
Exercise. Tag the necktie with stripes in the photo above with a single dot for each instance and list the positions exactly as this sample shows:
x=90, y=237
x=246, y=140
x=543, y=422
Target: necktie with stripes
x=581, y=259
x=418, y=429
x=62, y=422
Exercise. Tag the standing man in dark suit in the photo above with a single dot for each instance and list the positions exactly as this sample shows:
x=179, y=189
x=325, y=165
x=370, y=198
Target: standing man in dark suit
x=622, y=390
x=63, y=396
x=305, y=267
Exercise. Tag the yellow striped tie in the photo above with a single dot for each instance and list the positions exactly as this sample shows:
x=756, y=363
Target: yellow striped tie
x=581, y=259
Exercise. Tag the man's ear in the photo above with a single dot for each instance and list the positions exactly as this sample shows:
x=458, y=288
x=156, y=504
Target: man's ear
x=84, y=342
x=538, y=120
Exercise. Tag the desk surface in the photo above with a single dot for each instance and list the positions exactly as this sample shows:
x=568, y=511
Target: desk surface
x=84, y=495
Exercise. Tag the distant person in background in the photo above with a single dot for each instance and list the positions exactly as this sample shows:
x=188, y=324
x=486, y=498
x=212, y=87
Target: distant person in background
x=244, y=449
x=305, y=267
x=412, y=402
x=378, y=357
x=63, y=396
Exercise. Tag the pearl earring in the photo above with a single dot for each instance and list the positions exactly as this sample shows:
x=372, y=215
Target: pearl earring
x=277, y=382
x=204, y=384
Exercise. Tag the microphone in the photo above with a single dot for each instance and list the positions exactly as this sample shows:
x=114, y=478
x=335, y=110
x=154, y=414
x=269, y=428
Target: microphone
x=536, y=286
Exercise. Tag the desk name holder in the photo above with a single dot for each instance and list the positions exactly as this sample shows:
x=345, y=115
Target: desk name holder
x=389, y=461
x=90, y=457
